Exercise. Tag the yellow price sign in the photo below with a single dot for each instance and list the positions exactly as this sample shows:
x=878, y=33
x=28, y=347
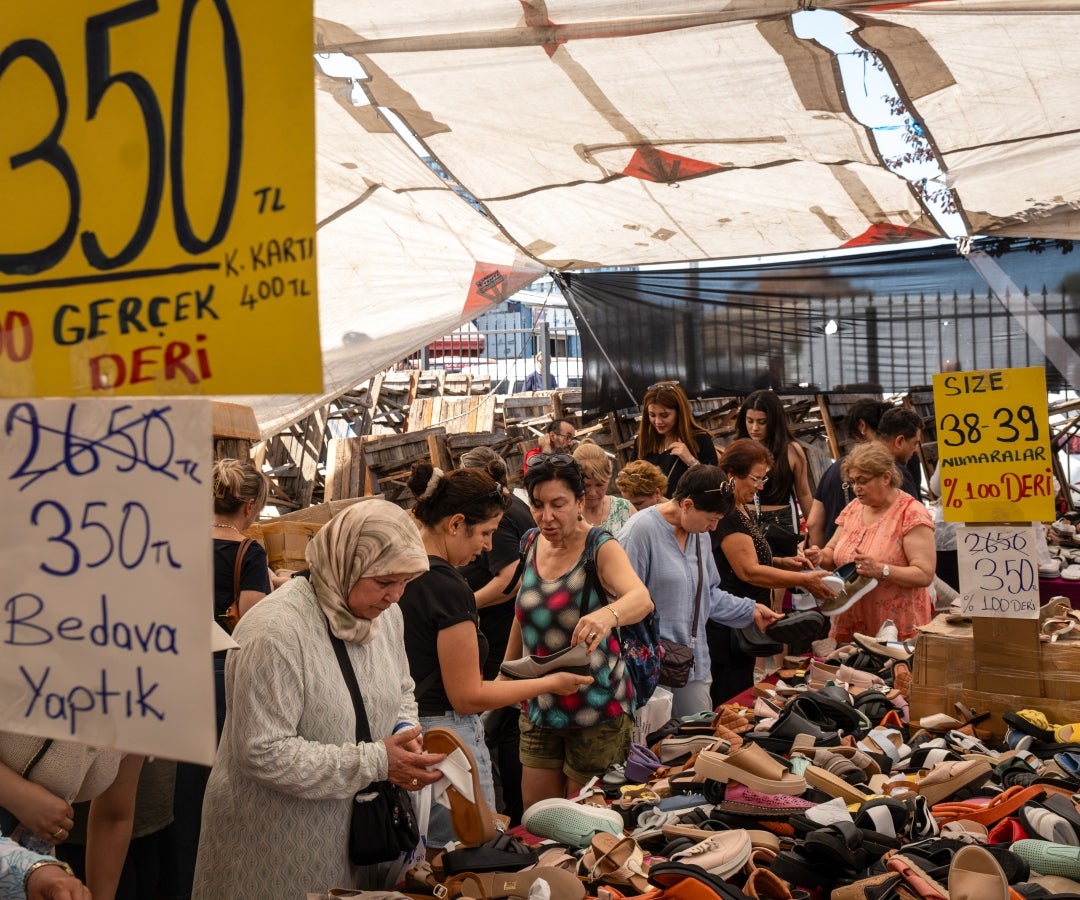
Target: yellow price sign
x=994, y=445
x=157, y=169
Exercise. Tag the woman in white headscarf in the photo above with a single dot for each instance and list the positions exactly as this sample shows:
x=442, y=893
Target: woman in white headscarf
x=278, y=804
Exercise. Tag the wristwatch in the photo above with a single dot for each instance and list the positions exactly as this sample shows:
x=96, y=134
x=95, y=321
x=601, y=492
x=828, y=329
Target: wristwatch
x=44, y=862
x=885, y=571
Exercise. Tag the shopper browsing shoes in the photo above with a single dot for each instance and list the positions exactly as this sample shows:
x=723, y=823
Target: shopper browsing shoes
x=667, y=549
x=458, y=513
x=889, y=536
x=566, y=740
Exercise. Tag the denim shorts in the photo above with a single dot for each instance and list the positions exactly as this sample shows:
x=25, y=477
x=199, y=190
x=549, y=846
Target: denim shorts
x=471, y=731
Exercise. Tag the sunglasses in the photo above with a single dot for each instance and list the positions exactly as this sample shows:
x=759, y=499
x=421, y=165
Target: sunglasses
x=663, y=386
x=552, y=461
x=497, y=494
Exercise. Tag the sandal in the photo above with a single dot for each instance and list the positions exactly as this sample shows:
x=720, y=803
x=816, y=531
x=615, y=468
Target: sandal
x=916, y=878
x=615, y=860
x=471, y=819
x=1007, y=803
x=516, y=885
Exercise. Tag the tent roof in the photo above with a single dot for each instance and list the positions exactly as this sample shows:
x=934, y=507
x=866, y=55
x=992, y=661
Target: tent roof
x=609, y=132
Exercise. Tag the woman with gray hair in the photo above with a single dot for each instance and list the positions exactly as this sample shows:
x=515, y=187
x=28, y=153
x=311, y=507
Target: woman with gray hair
x=279, y=801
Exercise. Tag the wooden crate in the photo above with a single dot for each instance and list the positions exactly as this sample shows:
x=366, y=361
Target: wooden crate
x=390, y=458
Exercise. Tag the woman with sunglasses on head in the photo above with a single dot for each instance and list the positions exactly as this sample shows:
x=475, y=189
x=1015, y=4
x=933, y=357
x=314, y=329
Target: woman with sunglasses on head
x=458, y=513
x=762, y=418
x=669, y=437
x=746, y=563
x=565, y=741
x=667, y=550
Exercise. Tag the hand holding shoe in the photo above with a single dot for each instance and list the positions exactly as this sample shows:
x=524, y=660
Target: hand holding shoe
x=817, y=586
x=405, y=765
x=565, y=683
x=764, y=617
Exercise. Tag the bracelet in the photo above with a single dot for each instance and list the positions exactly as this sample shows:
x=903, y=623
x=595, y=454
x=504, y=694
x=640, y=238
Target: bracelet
x=44, y=862
x=611, y=609
x=696, y=462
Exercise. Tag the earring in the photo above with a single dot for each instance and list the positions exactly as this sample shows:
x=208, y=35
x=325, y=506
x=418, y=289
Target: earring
x=580, y=517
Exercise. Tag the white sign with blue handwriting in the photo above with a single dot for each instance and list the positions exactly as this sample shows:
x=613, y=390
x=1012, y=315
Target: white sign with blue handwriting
x=999, y=572
x=107, y=566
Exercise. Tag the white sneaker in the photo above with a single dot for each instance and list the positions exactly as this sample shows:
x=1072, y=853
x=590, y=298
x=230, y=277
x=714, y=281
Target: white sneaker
x=1064, y=527
x=1071, y=572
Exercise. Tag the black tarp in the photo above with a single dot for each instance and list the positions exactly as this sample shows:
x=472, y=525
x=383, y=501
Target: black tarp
x=885, y=318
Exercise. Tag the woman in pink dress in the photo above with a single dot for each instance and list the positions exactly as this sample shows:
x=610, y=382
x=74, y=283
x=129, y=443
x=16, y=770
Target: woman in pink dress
x=889, y=536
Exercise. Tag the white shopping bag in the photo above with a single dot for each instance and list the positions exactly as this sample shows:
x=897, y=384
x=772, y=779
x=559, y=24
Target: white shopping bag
x=653, y=714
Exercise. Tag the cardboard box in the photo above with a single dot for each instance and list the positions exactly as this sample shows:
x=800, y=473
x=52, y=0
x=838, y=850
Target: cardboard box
x=943, y=656
x=1061, y=672
x=285, y=543
x=958, y=664
x=926, y=700
x=321, y=513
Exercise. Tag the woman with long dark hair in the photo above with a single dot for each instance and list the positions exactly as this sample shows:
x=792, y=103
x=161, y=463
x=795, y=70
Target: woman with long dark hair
x=762, y=418
x=669, y=437
x=458, y=513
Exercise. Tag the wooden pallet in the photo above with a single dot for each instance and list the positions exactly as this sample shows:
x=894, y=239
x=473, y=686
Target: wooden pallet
x=459, y=415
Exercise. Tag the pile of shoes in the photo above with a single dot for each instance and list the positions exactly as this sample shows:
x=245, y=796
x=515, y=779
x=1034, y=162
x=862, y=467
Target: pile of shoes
x=825, y=790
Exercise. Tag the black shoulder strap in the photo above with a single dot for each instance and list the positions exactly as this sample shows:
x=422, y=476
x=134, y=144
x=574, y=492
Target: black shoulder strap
x=36, y=758
x=592, y=577
x=700, y=591
x=528, y=539
x=363, y=729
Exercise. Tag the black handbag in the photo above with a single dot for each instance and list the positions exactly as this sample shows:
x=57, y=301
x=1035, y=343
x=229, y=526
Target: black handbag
x=678, y=658
x=383, y=824
x=752, y=641
x=781, y=539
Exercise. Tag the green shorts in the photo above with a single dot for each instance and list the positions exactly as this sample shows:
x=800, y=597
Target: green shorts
x=581, y=753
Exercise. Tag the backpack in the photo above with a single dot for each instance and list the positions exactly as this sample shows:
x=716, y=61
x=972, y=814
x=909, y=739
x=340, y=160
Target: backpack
x=642, y=652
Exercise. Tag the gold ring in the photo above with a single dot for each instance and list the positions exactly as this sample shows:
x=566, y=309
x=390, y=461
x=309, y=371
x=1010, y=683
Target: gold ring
x=592, y=636
x=56, y=834
x=416, y=782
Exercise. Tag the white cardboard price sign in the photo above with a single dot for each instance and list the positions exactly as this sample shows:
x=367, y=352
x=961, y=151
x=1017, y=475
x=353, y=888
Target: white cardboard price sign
x=999, y=573
x=107, y=574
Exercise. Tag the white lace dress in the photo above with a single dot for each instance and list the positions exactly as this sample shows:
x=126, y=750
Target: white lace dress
x=276, y=814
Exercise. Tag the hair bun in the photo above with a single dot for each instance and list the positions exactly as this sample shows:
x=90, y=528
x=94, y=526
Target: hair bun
x=433, y=483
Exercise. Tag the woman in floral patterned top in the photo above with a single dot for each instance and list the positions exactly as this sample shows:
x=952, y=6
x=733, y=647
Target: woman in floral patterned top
x=566, y=740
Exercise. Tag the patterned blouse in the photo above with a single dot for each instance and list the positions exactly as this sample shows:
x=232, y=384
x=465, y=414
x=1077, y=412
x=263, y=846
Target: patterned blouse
x=547, y=611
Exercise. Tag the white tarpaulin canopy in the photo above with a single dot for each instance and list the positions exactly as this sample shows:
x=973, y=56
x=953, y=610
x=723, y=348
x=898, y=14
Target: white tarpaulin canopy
x=614, y=132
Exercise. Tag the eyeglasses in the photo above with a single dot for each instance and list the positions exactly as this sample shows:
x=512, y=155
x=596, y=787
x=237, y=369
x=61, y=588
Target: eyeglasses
x=663, y=386
x=863, y=481
x=552, y=460
x=760, y=480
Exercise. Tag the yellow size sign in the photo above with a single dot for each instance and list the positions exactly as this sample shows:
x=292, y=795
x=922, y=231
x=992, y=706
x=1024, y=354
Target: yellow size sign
x=993, y=445
x=157, y=170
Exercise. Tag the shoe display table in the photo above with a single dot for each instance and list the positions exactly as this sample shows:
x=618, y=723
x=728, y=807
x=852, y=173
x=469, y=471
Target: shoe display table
x=1060, y=587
